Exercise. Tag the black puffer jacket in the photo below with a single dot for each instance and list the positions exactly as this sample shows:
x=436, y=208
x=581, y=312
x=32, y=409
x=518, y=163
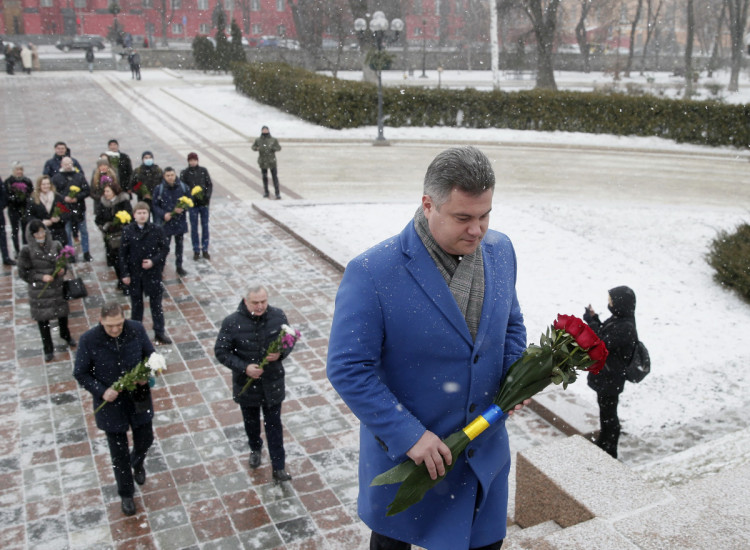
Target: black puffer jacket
x=243, y=340
x=620, y=335
x=34, y=262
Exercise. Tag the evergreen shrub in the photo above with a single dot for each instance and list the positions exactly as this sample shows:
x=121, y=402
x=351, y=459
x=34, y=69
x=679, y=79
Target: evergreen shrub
x=729, y=255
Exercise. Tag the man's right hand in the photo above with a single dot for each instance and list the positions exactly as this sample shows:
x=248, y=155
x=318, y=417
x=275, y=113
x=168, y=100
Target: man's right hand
x=126, y=280
x=253, y=371
x=431, y=450
x=110, y=395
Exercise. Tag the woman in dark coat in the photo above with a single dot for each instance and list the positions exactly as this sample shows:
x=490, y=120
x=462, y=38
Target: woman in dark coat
x=44, y=201
x=36, y=263
x=19, y=189
x=112, y=201
x=620, y=335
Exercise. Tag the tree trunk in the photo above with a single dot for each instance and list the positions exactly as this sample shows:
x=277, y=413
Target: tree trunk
x=637, y=18
x=737, y=23
x=544, y=23
x=581, y=38
x=713, y=62
x=689, y=50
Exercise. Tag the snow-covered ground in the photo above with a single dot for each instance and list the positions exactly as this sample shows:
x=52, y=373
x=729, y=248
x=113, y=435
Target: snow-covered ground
x=570, y=251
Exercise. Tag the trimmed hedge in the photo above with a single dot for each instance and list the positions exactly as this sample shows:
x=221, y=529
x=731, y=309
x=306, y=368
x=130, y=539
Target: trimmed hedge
x=345, y=104
x=729, y=255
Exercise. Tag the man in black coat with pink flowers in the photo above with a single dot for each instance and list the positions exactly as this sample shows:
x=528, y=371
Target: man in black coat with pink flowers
x=243, y=339
x=105, y=353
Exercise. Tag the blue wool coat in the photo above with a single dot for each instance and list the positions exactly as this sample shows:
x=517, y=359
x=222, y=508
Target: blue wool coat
x=164, y=200
x=402, y=358
x=101, y=360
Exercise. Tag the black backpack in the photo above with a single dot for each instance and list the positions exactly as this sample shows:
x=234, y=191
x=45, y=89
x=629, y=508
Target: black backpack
x=640, y=364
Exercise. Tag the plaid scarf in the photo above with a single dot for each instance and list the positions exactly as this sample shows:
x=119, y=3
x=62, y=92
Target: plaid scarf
x=464, y=275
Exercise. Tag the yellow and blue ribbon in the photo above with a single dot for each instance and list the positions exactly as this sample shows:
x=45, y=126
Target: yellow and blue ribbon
x=483, y=421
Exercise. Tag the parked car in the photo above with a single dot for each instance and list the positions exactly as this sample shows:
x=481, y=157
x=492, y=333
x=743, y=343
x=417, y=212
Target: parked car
x=268, y=42
x=81, y=42
x=289, y=44
x=212, y=39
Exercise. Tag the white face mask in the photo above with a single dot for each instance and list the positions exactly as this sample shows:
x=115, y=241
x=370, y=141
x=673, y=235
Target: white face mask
x=148, y=162
x=40, y=241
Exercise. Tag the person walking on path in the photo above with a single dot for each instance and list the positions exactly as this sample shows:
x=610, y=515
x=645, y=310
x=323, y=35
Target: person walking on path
x=143, y=252
x=120, y=163
x=106, y=352
x=113, y=201
x=267, y=147
x=620, y=335
x=52, y=166
x=145, y=178
x=134, y=59
x=36, y=265
x=90, y=58
x=19, y=189
x=49, y=207
x=425, y=327
x=26, y=59
x=169, y=216
x=66, y=179
x=195, y=176
x=3, y=240
x=241, y=345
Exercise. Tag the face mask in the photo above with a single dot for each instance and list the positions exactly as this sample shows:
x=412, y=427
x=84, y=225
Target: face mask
x=148, y=162
x=39, y=241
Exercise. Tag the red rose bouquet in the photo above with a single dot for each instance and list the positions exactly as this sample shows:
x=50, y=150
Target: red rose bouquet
x=59, y=210
x=63, y=258
x=568, y=346
x=141, y=190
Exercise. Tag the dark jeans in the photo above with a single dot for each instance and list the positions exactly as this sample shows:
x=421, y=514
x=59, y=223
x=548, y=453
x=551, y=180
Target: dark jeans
x=274, y=434
x=46, y=333
x=274, y=176
x=609, y=423
x=381, y=542
x=199, y=242
x=3, y=240
x=152, y=288
x=17, y=224
x=179, y=241
x=123, y=460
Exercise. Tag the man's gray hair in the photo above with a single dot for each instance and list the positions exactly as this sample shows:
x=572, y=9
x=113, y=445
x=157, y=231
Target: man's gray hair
x=464, y=168
x=255, y=287
x=111, y=309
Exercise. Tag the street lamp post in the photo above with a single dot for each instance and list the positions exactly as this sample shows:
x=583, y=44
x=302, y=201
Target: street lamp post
x=424, y=48
x=379, y=26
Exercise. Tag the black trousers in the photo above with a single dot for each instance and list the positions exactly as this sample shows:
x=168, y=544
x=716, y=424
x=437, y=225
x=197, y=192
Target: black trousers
x=609, y=424
x=151, y=287
x=3, y=240
x=179, y=246
x=17, y=224
x=381, y=542
x=46, y=332
x=274, y=176
x=123, y=461
x=273, y=429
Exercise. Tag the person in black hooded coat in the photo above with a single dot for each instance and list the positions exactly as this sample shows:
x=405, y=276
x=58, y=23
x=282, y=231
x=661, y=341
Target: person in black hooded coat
x=620, y=335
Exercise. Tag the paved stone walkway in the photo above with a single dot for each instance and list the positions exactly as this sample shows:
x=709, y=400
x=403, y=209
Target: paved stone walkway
x=56, y=484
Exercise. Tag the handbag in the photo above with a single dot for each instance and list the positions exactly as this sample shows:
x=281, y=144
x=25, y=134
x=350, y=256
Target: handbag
x=74, y=289
x=640, y=364
x=114, y=240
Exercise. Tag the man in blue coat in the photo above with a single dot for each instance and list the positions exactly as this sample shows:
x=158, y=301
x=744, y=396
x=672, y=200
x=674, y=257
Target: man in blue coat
x=143, y=251
x=105, y=353
x=171, y=218
x=426, y=325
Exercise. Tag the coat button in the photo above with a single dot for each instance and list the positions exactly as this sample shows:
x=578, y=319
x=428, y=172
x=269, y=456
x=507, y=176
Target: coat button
x=476, y=359
x=470, y=453
x=473, y=407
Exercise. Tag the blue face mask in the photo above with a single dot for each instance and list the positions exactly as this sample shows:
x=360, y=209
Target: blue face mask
x=148, y=162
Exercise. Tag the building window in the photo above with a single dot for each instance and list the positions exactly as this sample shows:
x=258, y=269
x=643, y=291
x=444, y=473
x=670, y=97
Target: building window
x=203, y=5
x=437, y=7
x=148, y=4
x=418, y=31
x=280, y=5
x=417, y=8
x=204, y=28
x=176, y=28
x=229, y=5
x=255, y=28
x=254, y=5
x=176, y=4
x=459, y=7
x=46, y=4
x=280, y=30
x=80, y=3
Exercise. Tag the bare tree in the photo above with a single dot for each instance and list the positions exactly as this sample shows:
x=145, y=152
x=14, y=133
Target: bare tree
x=713, y=62
x=543, y=16
x=737, y=24
x=652, y=18
x=308, y=20
x=581, y=38
x=689, y=50
x=163, y=8
x=245, y=10
x=633, y=27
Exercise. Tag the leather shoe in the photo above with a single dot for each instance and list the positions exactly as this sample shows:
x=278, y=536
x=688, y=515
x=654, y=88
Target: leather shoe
x=87, y=257
x=71, y=342
x=8, y=261
x=206, y=255
x=281, y=475
x=254, y=459
x=139, y=474
x=196, y=256
x=181, y=272
x=128, y=506
x=48, y=357
x=162, y=338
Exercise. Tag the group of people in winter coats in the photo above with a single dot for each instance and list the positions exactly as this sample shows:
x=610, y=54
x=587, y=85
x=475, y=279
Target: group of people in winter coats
x=57, y=201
